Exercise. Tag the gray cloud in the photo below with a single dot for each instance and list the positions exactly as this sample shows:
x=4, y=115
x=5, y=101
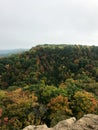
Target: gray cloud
x=25, y=23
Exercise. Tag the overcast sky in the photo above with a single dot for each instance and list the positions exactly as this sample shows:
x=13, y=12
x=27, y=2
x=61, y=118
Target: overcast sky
x=25, y=23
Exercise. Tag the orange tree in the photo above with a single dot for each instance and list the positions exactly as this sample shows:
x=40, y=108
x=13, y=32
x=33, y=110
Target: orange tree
x=83, y=103
x=59, y=109
x=18, y=107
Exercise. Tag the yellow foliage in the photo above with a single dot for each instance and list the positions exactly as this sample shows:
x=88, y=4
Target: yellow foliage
x=59, y=103
x=85, y=102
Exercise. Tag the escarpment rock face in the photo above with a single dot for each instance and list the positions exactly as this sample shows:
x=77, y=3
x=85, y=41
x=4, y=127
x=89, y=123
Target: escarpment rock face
x=40, y=127
x=65, y=124
x=87, y=122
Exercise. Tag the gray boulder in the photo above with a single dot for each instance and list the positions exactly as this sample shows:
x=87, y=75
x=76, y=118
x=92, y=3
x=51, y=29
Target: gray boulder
x=87, y=122
x=65, y=124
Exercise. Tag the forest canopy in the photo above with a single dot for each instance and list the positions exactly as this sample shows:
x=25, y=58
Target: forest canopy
x=47, y=84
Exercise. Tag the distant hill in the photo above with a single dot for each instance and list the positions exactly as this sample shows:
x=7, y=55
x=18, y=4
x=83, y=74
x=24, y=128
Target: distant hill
x=11, y=51
x=51, y=63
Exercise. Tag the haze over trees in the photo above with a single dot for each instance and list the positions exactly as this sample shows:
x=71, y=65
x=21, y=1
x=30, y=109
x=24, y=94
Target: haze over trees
x=47, y=84
x=10, y=52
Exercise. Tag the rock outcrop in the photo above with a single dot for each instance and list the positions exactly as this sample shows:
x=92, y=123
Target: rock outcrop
x=87, y=122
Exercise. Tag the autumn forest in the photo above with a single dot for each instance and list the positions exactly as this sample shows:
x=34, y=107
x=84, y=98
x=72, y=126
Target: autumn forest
x=47, y=84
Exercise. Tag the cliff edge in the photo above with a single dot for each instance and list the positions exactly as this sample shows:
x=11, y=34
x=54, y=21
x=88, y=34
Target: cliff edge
x=87, y=122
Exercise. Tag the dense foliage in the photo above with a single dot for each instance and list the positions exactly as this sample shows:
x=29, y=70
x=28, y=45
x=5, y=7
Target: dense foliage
x=47, y=84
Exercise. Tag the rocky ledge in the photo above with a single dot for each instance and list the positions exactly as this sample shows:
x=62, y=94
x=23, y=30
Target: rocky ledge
x=87, y=122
